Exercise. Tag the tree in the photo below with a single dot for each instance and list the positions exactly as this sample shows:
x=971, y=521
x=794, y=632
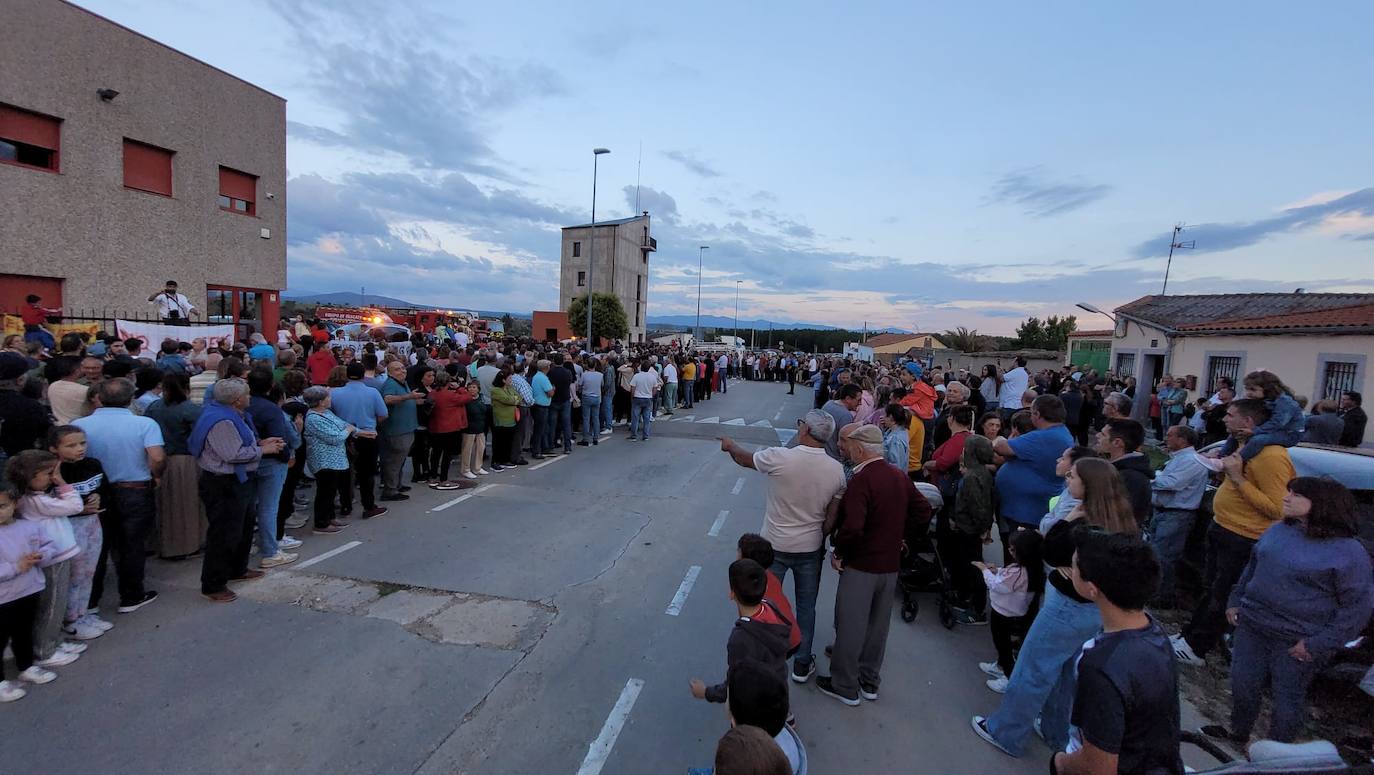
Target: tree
x=515, y=326
x=965, y=340
x=608, y=317
x=1049, y=334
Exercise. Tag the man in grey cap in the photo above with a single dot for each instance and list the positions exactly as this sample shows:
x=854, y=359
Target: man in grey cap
x=878, y=504
x=803, y=483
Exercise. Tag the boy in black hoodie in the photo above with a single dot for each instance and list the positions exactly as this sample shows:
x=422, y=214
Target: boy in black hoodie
x=760, y=632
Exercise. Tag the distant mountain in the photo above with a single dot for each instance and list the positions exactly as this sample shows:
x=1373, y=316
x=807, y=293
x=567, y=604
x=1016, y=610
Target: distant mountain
x=722, y=322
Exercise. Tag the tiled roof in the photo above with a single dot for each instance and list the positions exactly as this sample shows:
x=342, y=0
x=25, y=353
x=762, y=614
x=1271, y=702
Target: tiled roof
x=882, y=340
x=1101, y=332
x=1359, y=318
x=1176, y=312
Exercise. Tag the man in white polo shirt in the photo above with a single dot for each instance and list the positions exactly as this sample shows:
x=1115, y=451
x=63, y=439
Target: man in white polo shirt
x=802, y=482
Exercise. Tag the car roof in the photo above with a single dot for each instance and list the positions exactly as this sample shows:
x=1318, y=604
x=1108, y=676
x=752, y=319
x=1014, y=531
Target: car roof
x=1352, y=467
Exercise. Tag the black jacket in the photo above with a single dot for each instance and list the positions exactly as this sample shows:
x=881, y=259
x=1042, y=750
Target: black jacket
x=1352, y=433
x=762, y=639
x=1136, y=475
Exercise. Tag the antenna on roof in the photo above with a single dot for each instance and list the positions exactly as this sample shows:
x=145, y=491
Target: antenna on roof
x=1175, y=244
x=638, y=162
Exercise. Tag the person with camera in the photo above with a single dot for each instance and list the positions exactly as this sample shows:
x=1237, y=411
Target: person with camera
x=173, y=308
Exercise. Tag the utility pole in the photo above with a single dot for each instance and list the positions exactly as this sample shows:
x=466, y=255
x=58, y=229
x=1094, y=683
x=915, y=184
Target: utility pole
x=1175, y=244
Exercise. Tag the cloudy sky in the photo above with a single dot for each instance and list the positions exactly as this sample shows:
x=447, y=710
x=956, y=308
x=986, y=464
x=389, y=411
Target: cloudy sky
x=920, y=165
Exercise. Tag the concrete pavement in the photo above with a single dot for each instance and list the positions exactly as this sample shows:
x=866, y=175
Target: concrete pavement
x=497, y=635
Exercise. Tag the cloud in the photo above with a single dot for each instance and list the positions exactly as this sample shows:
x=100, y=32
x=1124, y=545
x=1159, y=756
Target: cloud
x=693, y=164
x=659, y=204
x=1215, y=237
x=1039, y=197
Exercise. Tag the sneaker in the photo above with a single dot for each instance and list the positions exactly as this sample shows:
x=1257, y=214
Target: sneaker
x=980, y=728
x=249, y=575
x=134, y=605
x=606, y=432
x=288, y=542
x=595, y=442
x=58, y=659
x=823, y=683
x=482, y=472
x=80, y=630
x=339, y=523
x=965, y=616
x=445, y=485
x=280, y=558
x=295, y=522
x=222, y=596
x=471, y=475
x=96, y=621
x=998, y=685
x=375, y=511
x=73, y=648
x=11, y=691
x=868, y=691
x=1184, y=652
x=583, y=443
x=37, y=675
x=93, y=611
x=992, y=669
x=327, y=530
x=396, y=496
x=494, y=467
x=524, y=462
x=300, y=502
x=803, y=670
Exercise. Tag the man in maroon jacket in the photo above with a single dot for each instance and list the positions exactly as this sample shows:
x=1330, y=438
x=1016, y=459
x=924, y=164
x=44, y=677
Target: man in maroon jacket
x=875, y=509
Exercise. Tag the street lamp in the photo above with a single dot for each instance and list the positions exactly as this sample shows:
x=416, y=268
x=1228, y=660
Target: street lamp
x=1095, y=310
x=734, y=338
x=701, y=253
x=591, y=249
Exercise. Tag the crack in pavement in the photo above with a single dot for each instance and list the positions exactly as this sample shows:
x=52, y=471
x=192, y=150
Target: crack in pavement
x=548, y=599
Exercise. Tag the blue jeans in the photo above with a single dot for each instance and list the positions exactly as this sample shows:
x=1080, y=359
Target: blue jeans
x=539, y=438
x=1257, y=661
x=267, y=484
x=607, y=409
x=562, y=424
x=688, y=393
x=591, y=418
x=806, y=587
x=1043, y=682
x=1169, y=529
x=640, y=409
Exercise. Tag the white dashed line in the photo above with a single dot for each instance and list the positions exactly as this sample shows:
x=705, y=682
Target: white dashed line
x=683, y=590
x=718, y=524
x=739, y=486
x=548, y=462
x=461, y=498
x=336, y=551
x=600, y=749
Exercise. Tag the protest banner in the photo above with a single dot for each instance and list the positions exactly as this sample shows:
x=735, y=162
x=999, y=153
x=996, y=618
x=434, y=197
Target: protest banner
x=152, y=334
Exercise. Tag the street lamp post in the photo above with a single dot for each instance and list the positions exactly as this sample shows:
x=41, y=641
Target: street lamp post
x=591, y=248
x=1095, y=310
x=734, y=337
x=701, y=253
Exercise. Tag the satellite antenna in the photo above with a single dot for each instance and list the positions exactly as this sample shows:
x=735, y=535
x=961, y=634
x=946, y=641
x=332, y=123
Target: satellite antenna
x=1175, y=244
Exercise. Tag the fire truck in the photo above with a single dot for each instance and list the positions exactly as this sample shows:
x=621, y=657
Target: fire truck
x=431, y=321
x=342, y=316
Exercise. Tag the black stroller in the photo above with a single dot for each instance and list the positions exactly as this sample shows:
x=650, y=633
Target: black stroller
x=922, y=569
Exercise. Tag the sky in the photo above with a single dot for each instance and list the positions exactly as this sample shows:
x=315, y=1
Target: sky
x=919, y=165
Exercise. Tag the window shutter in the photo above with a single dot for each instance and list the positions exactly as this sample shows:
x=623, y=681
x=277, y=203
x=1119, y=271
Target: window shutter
x=147, y=167
x=239, y=185
x=24, y=126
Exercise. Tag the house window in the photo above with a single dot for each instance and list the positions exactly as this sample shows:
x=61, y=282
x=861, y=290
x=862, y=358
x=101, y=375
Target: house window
x=581, y=279
x=1219, y=366
x=29, y=139
x=237, y=191
x=636, y=316
x=577, y=250
x=1338, y=377
x=219, y=306
x=1125, y=364
x=639, y=287
x=147, y=168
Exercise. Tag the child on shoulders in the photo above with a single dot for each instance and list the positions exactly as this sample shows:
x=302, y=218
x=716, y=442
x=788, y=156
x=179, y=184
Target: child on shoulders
x=1284, y=426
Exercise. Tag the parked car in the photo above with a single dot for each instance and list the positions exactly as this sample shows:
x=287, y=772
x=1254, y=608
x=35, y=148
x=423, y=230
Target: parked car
x=385, y=332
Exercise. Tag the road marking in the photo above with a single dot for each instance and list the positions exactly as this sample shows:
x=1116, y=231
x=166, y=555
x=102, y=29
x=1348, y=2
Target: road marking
x=461, y=498
x=688, y=418
x=709, y=421
x=548, y=462
x=739, y=486
x=683, y=590
x=761, y=424
x=736, y=421
x=336, y=551
x=784, y=434
x=718, y=524
x=600, y=749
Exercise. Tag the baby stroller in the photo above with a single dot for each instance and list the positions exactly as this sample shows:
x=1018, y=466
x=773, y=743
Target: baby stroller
x=922, y=568
x=1317, y=757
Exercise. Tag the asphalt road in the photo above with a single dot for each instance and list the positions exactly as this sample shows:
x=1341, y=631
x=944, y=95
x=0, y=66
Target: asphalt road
x=518, y=628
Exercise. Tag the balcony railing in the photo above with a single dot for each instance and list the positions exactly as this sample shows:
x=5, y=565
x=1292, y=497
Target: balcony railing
x=649, y=245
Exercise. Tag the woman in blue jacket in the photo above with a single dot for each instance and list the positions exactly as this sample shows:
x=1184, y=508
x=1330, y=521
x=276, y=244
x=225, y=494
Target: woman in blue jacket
x=1307, y=590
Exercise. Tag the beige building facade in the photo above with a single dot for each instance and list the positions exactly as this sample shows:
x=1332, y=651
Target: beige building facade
x=622, y=249
x=124, y=163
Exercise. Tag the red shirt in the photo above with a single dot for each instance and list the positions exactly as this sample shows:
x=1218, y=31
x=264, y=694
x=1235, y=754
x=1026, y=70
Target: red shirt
x=449, y=414
x=34, y=315
x=320, y=335
x=318, y=366
x=775, y=595
x=947, y=455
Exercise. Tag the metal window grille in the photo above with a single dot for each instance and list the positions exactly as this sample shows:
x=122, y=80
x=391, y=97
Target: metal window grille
x=1125, y=365
x=1227, y=366
x=1339, y=377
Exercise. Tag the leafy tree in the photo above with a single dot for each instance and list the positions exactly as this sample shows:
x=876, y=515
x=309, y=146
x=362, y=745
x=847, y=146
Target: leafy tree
x=965, y=340
x=1049, y=334
x=608, y=317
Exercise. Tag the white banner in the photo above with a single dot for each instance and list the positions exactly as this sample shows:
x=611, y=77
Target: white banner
x=153, y=334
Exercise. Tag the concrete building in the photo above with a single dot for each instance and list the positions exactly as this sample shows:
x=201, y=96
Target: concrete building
x=549, y=326
x=1319, y=344
x=622, y=266
x=125, y=163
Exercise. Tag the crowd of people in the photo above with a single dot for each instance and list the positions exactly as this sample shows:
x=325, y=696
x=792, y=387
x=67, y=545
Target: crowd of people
x=200, y=449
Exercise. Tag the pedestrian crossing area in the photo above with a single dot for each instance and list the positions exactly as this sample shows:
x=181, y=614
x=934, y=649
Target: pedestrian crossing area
x=784, y=434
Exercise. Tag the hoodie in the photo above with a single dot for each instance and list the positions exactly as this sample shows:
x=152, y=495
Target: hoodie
x=975, y=503
x=762, y=638
x=1137, y=477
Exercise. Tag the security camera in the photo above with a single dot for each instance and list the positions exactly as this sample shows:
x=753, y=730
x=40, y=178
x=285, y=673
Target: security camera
x=271, y=196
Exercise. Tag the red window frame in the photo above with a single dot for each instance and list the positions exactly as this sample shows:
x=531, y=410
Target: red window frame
x=237, y=191
x=26, y=127
x=146, y=162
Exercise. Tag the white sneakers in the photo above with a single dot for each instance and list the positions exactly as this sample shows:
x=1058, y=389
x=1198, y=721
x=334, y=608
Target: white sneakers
x=81, y=630
x=11, y=691
x=95, y=621
x=58, y=659
x=74, y=648
x=992, y=669
x=998, y=685
x=482, y=472
x=1184, y=653
x=37, y=675
x=296, y=521
x=287, y=542
x=280, y=558
x=469, y=475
